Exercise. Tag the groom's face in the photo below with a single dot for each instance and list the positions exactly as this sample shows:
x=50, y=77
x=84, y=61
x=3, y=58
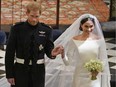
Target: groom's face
x=33, y=17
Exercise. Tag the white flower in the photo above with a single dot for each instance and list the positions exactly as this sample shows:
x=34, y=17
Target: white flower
x=94, y=65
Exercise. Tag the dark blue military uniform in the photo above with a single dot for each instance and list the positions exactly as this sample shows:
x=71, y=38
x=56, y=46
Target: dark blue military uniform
x=28, y=42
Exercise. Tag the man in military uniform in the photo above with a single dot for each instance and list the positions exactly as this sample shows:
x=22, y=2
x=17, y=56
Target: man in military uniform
x=27, y=44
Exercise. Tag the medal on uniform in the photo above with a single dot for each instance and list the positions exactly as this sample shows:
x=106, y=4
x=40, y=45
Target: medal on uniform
x=41, y=47
x=42, y=33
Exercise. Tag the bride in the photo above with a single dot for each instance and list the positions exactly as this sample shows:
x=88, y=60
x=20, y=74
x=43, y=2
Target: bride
x=82, y=41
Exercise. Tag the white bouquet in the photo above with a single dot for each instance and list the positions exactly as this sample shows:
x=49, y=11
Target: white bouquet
x=94, y=66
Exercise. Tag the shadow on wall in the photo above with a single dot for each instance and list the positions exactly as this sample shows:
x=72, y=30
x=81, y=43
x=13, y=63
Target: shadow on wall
x=109, y=28
x=56, y=33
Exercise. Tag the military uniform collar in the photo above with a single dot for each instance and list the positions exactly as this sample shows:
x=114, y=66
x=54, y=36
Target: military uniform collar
x=30, y=24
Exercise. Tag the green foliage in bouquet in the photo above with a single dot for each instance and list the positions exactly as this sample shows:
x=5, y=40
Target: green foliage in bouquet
x=94, y=66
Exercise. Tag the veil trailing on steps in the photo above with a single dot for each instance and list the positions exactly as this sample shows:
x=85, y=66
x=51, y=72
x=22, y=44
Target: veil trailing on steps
x=60, y=75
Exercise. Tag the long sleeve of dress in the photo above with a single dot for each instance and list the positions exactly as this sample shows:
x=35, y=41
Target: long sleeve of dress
x=68, y=53
x=71, y=52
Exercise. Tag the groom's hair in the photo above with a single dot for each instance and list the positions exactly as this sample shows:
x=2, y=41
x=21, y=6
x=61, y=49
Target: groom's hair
x=33, y=6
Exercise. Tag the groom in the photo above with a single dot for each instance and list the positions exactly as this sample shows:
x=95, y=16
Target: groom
x=28, y=42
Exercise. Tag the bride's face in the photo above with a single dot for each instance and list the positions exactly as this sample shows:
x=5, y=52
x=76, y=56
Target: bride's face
x=88, y=26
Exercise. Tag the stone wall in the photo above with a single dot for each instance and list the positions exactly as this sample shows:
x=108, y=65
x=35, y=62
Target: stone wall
x=70, y=10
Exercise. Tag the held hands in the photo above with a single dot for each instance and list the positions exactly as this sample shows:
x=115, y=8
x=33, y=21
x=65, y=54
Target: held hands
x=58, y=50
x=11, y=81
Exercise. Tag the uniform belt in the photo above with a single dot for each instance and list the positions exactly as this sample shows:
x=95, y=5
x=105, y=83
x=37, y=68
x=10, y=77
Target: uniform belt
x=21, y=61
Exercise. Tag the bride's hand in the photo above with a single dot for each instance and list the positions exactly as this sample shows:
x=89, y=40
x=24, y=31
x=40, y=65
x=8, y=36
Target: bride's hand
x=94, y=73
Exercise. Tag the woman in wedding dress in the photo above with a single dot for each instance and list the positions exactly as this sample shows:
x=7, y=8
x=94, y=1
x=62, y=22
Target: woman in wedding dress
x=82, y=41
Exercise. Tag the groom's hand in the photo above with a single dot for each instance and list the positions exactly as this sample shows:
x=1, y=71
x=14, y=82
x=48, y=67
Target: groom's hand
x=11, y=81
x=57, y=50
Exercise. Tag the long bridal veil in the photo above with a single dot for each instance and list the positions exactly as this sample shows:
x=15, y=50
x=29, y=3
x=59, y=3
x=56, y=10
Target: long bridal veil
x=60, y=75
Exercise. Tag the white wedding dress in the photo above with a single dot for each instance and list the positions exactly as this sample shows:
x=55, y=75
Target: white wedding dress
x=80, y=52
x=87, y=50
x=71, y=71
